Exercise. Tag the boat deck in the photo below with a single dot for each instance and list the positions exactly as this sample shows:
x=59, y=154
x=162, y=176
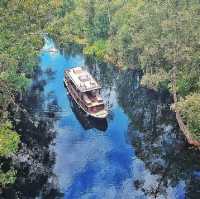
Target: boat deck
x=82, y=79
x=85, y=91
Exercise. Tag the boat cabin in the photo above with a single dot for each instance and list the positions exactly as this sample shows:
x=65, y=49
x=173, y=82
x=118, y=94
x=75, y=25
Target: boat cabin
x=85, y=91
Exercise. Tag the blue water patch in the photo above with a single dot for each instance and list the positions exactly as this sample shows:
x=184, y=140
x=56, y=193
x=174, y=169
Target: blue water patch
x=82, y=182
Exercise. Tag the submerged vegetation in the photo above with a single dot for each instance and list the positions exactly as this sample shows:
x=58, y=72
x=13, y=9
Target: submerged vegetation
x=159, y=37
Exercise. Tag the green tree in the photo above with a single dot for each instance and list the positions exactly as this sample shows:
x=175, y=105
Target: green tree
x=154, y=36
x=9, y=140
x=21, y=28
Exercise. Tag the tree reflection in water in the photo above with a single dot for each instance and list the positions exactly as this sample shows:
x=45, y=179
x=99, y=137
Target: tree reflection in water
x=166, y=166
x=34, y=161
x=169, y=166
x=158, y=142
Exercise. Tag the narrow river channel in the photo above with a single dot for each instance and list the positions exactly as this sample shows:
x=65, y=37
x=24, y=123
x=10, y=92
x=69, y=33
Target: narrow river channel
x=137, y=153
x=92, y=160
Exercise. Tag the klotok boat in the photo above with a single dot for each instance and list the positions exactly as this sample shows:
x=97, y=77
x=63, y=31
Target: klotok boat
x=85, y=91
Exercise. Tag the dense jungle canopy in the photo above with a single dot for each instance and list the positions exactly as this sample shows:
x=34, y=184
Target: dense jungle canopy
x=162, y=38
x=159, y=37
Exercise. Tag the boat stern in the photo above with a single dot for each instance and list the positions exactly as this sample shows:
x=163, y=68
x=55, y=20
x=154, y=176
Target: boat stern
x=100, y=115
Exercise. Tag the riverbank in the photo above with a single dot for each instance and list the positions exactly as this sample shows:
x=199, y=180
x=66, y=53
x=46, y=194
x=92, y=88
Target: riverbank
x=34, y=160
x=132, y=35
x=20, y=43
x=159, y=82
x=141, y=135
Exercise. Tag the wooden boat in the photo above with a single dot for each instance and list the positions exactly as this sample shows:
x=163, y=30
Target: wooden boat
x=85, y=121
x=85, y=91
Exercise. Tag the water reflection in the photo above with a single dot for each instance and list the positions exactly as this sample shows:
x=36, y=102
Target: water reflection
x=34, y=160
x=142, y=154
x=158, y=142
x=165, y=166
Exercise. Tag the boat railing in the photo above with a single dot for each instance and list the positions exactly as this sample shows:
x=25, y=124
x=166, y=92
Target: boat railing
x=86, y=99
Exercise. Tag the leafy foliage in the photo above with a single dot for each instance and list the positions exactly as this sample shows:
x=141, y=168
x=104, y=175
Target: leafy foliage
x=154, y=36
x=158, y=80
x=190, y=110
x=7, y=177
x=9, y=140
x=97, y=49
x=21, y=25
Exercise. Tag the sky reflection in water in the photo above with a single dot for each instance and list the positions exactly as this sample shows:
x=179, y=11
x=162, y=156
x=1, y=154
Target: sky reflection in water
x=91, y=163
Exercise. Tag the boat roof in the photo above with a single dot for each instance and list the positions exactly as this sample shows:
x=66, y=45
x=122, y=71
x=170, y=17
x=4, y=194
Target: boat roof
x=82, y=79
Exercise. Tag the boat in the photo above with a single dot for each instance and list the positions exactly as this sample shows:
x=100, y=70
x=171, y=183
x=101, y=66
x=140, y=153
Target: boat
x=85, y=91
x=85, y=121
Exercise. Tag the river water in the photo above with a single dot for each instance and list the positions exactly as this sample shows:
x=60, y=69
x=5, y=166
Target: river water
x=138, y=152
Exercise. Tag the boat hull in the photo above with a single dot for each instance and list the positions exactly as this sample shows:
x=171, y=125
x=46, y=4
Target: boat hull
x=87, y=122
x=99, y=115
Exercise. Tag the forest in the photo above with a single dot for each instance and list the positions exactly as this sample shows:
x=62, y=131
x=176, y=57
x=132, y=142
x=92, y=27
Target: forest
x=161, y=38
x=21, y=25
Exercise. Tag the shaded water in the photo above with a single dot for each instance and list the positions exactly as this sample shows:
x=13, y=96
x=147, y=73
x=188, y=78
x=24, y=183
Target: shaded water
x=137, y=153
